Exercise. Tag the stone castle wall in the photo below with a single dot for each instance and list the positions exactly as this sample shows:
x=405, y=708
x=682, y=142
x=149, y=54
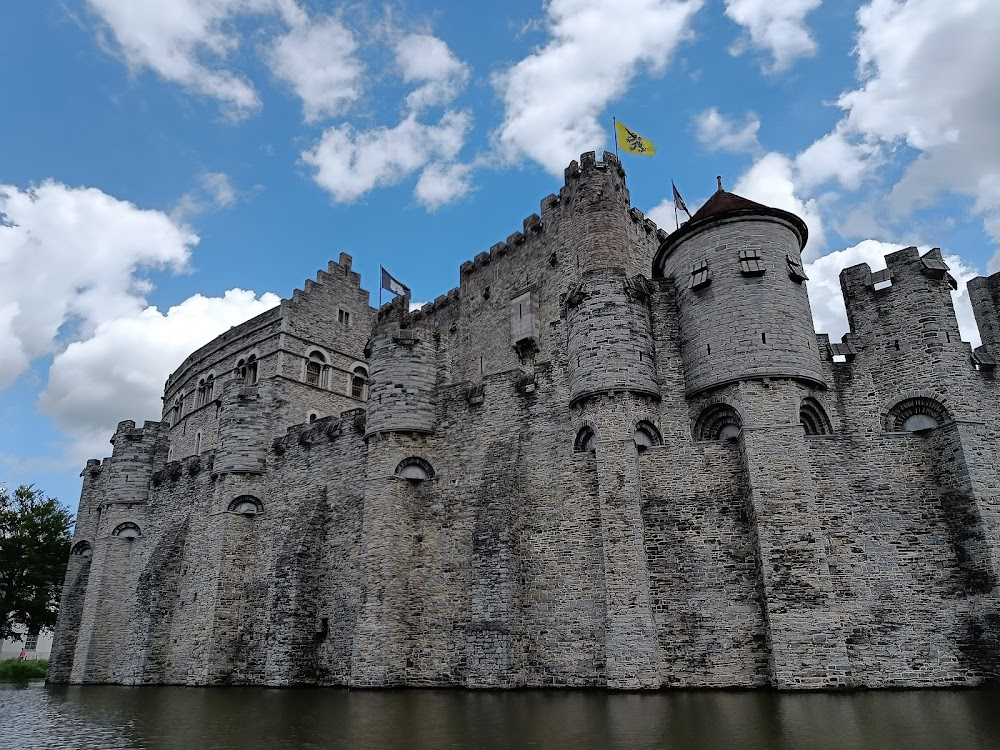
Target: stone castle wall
x=545, y=480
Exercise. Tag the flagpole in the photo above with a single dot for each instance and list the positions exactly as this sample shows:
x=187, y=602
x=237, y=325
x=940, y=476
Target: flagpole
x=614, y=127
x=677, y=222
x=380, y=270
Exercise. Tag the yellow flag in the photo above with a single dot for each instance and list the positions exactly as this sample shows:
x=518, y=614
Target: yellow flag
x=632, y=143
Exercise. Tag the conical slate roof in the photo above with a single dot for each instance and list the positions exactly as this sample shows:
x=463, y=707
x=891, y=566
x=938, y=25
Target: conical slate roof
x=722, y=202
x=720, y=206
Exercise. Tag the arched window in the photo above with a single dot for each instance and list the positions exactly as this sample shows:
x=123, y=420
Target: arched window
x=246, y=505
x=718, y=422
x=177, y=410
x=210, y=389
x=359, y=382
x=199, y=398
x=414, y=469
x=315, y=369
x=82, y=549
x=813, y=417
x=197, y=443
x=586, y=440
x=247, y=369
x=127, y=530
x=646, y=436
x=313, y=416
x=916, y=414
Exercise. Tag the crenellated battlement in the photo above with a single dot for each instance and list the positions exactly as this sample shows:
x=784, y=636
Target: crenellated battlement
x=906, y=306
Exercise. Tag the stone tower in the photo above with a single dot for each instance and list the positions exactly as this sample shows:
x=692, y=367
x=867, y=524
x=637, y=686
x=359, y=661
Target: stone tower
x=751, y=364
x=612, y=382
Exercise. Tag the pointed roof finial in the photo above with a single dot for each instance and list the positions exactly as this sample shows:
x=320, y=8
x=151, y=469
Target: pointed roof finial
x=718, y=178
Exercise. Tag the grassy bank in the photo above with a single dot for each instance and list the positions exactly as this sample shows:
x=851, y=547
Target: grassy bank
x=15, y=669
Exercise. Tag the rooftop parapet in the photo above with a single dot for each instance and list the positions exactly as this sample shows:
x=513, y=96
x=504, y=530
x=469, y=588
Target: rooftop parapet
x=907, y=304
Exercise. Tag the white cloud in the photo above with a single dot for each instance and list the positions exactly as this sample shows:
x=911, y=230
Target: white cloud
x=118, y=372
x=771, y=181
x=442, y=183
x=186, y=42
x=826, y=299
x=219, y=187
x=776, y=26
x=317, y=58
x=928, y=72
x=662, y=214
x=70, y=260
x=350, y=163
x=215, y=191
x=553, y=97
x=835, y=157
x=427, y=60
x=717, y=132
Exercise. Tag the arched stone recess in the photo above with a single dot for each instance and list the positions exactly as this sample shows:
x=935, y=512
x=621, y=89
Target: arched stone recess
x=415, y=469
x=127, y=530
x=316, y=367
x=586, y=439
x=813, y=417
x=718, y=420
x=246, y=505
x=915, y=411
x=83, y=548
x=247, y=368
x=646, y=435
x=358, y=381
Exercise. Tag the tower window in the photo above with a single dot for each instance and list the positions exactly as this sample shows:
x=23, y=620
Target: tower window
x=247, y=369
x=718, y=422
x=795, y=271
x=315, y=367
x=586, y=440
x=246, y=505
x=813, y=417
x=701, y=276
x=127, y=530
x=646, y=436
x=750, y=263
x=917, y=414
x=359, y=382
x=343, y=317
x=415, y=469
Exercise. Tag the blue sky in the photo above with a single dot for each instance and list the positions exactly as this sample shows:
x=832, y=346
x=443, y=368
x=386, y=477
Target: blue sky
x=173, y=167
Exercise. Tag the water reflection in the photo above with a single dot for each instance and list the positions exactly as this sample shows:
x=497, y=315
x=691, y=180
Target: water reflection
x=168, y=718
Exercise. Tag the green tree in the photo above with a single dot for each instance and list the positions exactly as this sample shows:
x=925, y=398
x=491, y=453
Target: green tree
x=34, y=544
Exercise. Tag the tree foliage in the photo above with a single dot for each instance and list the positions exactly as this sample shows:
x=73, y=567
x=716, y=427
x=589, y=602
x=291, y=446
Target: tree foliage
x=34, y=545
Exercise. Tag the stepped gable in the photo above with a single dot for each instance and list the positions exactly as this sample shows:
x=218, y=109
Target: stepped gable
x=725, y=205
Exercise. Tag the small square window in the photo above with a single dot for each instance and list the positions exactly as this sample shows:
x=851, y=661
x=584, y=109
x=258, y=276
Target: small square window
x=701, y=276
x=344, y=317
x=750, y=263
x=795, y=270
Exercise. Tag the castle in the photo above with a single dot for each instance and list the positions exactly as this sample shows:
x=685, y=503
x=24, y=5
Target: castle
x=612, y=457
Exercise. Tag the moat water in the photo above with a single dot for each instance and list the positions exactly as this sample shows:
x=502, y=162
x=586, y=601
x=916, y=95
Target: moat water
x=98, y=717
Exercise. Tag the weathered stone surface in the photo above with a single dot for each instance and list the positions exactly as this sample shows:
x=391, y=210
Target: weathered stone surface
x=579, y=468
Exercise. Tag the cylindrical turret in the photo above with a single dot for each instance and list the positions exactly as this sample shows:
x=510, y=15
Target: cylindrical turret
x=401, y=383
x=597, y=203
x=744, y=311
x=131, y=465
x=244, y=429
x=610, y=337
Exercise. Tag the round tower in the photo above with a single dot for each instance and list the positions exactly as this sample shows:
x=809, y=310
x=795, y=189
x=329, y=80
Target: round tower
x=401, y=384
x=610, y=337
x=744, y=312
